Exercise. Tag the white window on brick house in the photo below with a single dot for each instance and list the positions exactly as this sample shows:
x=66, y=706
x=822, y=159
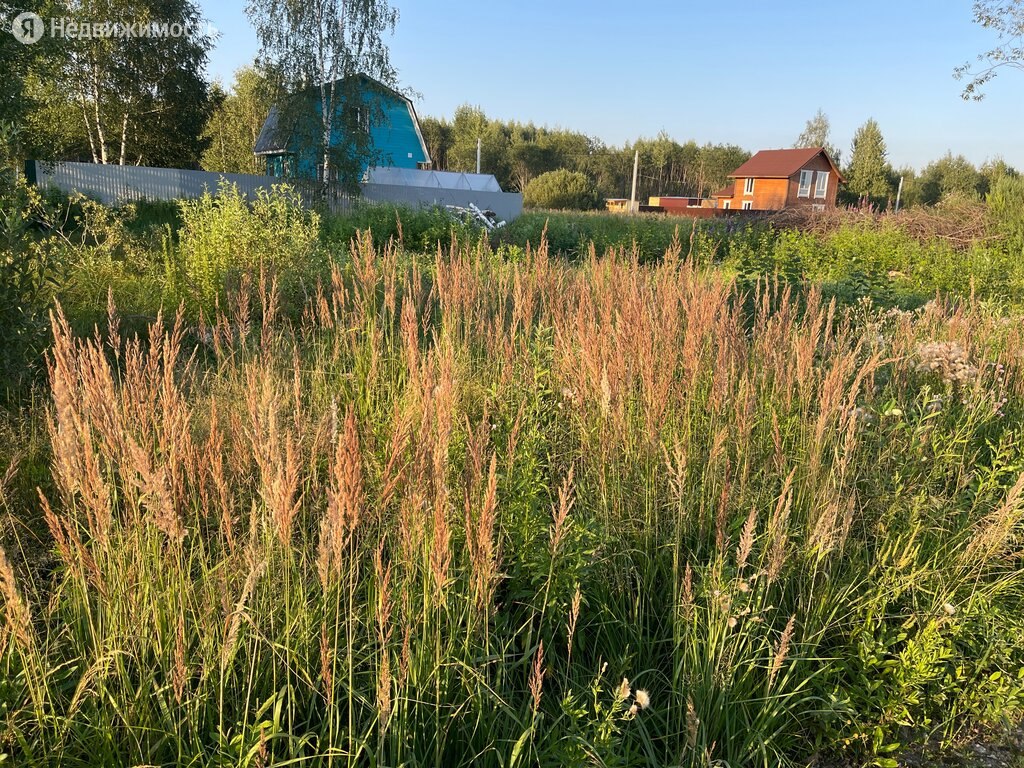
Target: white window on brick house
x=805, y=184
x=821, y=187
x=747, y=205
x=726, y=204
x=748, y=187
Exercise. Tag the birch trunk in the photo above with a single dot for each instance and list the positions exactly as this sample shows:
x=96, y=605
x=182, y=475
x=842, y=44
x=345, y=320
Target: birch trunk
x=101, y=138
x=124, y=138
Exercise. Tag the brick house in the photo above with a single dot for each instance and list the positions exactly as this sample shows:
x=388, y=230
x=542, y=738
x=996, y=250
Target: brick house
x=782, y=178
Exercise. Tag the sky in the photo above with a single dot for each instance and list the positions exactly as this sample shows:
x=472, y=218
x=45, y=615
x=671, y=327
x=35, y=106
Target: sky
x=746, y=72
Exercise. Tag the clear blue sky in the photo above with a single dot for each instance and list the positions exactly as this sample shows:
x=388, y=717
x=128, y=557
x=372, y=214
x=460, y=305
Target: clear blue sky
x=748, y=72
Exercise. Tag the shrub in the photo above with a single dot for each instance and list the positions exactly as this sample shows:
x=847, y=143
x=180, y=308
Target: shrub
x=1006, y=206
x=572, y=234
x=223, y=237
x=148, y=216
x=418, y=229
x=561, y=190
x=23, y=272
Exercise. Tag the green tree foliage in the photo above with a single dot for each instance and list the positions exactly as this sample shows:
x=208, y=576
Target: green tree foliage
x=995, y=169
x=516, y=153
x=53, y=125
x=468, y=125
x=131, y=100
x=911, y=194
x=319, y=47
x=561, y=190
x=236, y=122
x=817, y=134
x=950, y=176
x=1006, y=204
x=142, y=99
x=437, y=134
x=16, y=60
x=1006, y=19
x=529, y=157
x=14, y=55
x=34, y=92
x=869, y=173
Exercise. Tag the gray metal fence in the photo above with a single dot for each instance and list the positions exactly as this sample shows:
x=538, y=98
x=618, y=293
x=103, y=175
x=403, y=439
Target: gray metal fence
x=506, y=205
x=118, y=184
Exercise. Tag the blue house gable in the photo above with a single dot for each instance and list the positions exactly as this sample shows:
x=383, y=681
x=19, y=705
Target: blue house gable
x=395, y=139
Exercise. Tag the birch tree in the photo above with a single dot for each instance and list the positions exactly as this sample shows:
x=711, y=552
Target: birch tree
x=142, y=98
x=319, y=47
x=1006, y=19
x=817, y=133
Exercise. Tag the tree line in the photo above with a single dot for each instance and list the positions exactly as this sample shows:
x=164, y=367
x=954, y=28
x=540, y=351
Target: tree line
x=870, y=177
x=517, y=153
x=145, y=101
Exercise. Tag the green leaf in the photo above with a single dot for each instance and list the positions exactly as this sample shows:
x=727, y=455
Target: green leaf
x=517, y=749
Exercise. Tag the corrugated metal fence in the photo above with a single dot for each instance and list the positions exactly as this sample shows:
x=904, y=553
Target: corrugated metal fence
x=117, y=184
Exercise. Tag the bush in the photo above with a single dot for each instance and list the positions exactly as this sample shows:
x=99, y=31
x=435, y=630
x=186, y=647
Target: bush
x=418, y=229
x=223, y=237
x=1006, y=206
x=23, y=273
x=562, y=190
x=148, y=216
x=571, y=234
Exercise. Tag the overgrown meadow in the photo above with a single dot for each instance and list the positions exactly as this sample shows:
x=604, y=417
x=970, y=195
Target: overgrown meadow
x=365, y=502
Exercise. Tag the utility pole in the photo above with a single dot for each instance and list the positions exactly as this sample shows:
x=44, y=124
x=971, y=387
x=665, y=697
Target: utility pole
x=899, y=194
x=636, y=170
x=478, y=144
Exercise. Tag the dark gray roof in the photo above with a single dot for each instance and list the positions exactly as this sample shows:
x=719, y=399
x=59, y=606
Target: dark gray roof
x=271, y=141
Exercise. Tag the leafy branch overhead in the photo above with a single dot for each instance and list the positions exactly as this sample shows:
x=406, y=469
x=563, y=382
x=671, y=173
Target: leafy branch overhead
x=1006, y=18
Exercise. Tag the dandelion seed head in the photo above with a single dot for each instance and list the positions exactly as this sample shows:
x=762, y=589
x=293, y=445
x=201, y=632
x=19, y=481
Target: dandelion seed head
x=624, y=689
x=643, y=699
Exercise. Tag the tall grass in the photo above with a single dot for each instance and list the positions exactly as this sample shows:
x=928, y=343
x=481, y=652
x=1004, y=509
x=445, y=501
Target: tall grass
x=573, y=234
x=473, y=512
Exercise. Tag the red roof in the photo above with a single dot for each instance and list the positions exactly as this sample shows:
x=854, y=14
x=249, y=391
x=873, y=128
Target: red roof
x=780, y=163
x=728, y=191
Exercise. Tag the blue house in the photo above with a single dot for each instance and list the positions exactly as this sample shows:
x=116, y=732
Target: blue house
x=386, y=118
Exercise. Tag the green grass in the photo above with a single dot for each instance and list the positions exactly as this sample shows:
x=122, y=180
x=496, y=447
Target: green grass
x=367, y=503
x=571, y=234
x=422, y=230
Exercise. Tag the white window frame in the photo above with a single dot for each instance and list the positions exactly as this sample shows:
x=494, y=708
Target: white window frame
x=806, y=177
x=748, y=205
x=726, y=205
x=821, y=185
x=748, y=186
